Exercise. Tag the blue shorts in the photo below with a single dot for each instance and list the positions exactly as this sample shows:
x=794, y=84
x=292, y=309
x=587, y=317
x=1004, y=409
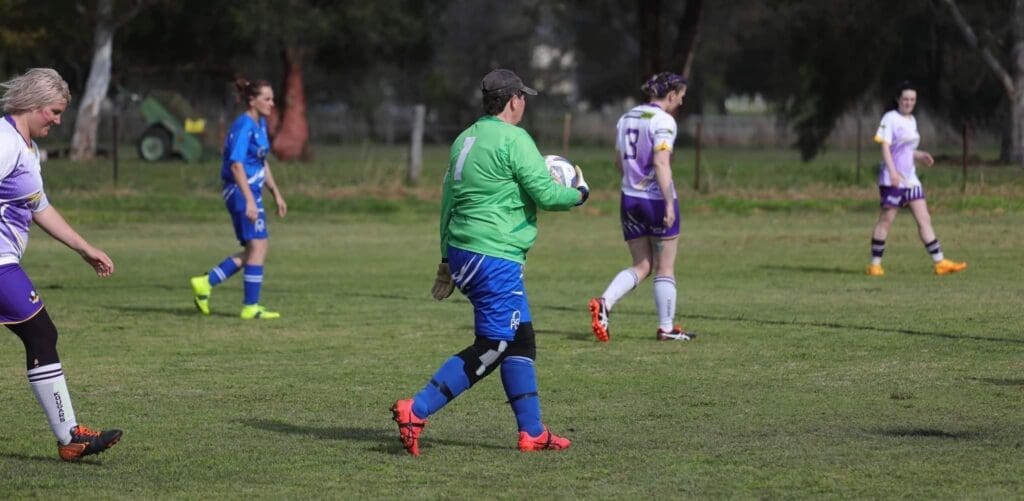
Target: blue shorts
x=899, y=197
x=18, y=298
x=642, y=217
x=495, y=287
x=246, y=230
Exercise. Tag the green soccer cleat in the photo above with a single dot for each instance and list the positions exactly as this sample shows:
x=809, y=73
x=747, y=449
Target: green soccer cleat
x=201, y=289
x=255, y=311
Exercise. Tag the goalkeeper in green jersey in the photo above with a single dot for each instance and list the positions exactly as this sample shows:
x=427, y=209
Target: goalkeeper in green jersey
x=496, y=181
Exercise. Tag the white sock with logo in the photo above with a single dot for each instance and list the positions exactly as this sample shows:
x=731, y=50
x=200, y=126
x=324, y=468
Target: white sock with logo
x=52, y=393
x=624, y=282
x=665, y=302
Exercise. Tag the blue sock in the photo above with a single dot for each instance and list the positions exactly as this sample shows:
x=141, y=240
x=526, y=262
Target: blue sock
x=520, y=382
x=448, y=382
x=253, y=282
x=222, y=271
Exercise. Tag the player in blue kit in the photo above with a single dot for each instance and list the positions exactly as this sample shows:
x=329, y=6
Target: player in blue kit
x=33, y=103
x=245, y=172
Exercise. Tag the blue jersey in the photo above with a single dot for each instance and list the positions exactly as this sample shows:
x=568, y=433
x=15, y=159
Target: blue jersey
x=247, y=143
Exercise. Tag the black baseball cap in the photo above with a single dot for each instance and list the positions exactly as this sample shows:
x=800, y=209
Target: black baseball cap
x=504, y=81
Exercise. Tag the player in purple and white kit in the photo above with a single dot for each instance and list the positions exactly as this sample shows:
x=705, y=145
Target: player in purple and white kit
x=898, y=185
x=649, y=207
x=33, y=103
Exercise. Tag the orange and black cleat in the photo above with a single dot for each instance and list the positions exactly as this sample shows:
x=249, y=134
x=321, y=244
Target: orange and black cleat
x=85, y=441
x=599, y=319
x=409, y=426
x=546, y=441
x=676, y=334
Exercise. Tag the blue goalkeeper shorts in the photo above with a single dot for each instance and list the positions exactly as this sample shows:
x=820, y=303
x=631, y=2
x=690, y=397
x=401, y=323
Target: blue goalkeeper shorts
x=495, y=287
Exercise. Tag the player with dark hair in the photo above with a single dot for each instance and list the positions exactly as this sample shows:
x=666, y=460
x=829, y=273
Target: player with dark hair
x=649, y=207
x=245, y=171
x=496, y=181
x=898, y=185
x=32, y=104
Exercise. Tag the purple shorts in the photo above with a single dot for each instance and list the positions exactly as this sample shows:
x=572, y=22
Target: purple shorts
x=18, y=298
x=899, y=197
x=642, y=217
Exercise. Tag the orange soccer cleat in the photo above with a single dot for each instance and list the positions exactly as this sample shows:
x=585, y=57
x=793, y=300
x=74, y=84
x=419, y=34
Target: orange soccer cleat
x=946, y=266
x=599, y=319
x=85, y=441
x=545, y=441
x=676, y=334
x=409, y=426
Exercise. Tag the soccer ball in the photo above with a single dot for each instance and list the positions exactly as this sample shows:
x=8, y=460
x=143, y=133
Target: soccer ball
x=562, y=170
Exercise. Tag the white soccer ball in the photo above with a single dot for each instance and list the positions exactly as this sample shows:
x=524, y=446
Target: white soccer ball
x=562, y=170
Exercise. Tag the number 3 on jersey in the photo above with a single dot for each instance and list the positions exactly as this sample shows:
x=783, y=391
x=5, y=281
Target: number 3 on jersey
x=632, y=136
x=461, y=162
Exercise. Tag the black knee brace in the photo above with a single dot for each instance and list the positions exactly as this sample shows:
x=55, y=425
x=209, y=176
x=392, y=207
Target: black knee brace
x=484, y=355
x=39, y=336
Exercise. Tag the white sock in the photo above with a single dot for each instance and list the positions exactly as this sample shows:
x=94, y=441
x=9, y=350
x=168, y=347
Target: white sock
x=52, y=393
x=665, y=301
x=624, y=282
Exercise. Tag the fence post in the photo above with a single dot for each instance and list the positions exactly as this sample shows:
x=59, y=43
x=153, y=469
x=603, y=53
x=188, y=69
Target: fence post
x=566, y=132
x=963, y=179
x=860, y=139
x=416, y=144
x=696, y=164
x=114, y=142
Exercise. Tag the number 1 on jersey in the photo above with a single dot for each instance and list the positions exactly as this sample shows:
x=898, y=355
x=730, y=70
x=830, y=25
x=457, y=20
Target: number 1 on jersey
x=461, y=162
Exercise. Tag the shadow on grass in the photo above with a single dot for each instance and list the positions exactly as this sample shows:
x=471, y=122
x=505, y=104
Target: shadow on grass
x=585, y=335
x=386, y=440
x=812, y=269
x=46, y=459
x=181, y=311
x=1001, y=381
x=925, y=433
x=797, y=323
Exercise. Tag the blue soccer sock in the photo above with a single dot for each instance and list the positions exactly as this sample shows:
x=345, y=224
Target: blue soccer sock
x=222, y=271
x=448, y=382
x=520, y=381
x=253, y=283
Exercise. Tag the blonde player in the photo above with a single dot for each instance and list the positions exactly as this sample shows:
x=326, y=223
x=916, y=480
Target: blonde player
x=33, y=103
x=898, y=185
x=649, y=208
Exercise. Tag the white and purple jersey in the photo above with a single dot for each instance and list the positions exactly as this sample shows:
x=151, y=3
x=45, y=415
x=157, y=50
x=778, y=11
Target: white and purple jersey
x=900, y=133
x=21, y=191
x=640, y=133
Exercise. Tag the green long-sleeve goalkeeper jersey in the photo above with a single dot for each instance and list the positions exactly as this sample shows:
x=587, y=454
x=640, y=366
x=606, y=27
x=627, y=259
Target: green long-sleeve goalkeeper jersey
x=495, y=182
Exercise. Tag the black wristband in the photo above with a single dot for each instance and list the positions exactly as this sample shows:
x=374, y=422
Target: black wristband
x=586, y=195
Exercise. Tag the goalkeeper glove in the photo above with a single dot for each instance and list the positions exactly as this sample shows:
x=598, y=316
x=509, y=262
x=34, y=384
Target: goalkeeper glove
x=443, y=284
x=581, y=184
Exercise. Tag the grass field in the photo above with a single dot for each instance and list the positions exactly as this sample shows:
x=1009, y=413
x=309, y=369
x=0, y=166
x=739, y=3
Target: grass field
x=809, y=379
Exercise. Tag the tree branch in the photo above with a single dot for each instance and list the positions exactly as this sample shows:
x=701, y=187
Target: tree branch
x=986, y=54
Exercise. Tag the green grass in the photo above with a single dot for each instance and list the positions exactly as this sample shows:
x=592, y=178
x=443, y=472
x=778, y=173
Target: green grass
x=809, y=379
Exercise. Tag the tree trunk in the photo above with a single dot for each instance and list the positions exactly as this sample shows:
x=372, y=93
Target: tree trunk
x=688, y=38
x=1017, y=97
x=291, y=136
x=83, y=142
x=650, y=38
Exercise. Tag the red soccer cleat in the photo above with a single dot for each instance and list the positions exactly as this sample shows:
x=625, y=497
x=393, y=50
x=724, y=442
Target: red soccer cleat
x=599, y=319
x=409, y=426
x=546, y=441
